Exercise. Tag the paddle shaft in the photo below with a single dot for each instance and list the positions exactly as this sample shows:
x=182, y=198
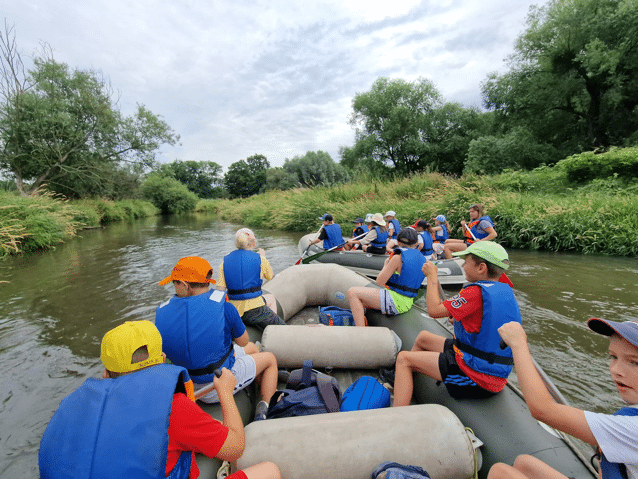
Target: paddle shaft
x=204, y=391
x=315, y=256
x=470, y=231
x=306, y=250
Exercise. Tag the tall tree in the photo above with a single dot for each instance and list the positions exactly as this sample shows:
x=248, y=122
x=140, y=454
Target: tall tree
x=315, y=169
x=573, y=78
x=247, y=177
x=59, y=126
x=203, y=178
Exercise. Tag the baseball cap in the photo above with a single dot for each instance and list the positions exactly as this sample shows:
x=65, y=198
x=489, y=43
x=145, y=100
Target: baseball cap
x=422, y=224
x=191, y=269
x=627, y=329
x=390, y=213
x=358, y=220
x=489, y=251
x=408, y=236
x=119, y=344
x=326, y=217
x=441, y=218
x=378, y=219
x=368, y=218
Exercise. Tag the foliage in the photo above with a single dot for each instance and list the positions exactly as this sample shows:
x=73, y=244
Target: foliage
x=60, y=127
x=572, y=78
x=622, y=163
x=279, y=179
x=204, y=178
x=168, y=195
x=246, y=178
x=518, y=149
x=107, y=211
x=316, y=169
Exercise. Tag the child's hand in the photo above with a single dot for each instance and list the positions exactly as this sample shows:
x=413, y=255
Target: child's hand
x=225, y=383
x=429, y=269
x=261, y=251
x=513, y=334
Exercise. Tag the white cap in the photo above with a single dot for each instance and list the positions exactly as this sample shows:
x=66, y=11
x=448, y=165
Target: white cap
x=368, y=218
x=390, y=213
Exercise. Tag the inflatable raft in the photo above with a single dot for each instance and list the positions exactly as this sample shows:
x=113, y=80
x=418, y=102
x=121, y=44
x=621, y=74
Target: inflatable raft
x=450, y=271
x=448, y=438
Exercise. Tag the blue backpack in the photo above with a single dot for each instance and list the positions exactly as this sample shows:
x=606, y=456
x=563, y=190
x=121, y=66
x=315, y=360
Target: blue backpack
x=394, y=470
x=307, y=392
x=334, y=316
x=365, y=393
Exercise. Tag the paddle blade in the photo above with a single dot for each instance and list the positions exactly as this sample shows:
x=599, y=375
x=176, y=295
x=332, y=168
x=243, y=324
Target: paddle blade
x=505, y=279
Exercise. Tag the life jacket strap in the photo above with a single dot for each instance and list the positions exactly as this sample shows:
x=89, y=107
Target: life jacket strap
x=210, y=369
x=491, y=358
x=234, y=292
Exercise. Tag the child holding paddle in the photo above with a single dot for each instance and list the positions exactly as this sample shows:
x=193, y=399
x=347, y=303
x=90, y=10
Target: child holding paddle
x=615, y=435
x=141, y=420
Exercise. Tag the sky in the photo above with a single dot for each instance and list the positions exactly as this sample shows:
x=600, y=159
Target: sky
x=274, y=77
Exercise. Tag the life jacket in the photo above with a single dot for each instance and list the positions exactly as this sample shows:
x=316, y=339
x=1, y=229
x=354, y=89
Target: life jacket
x=441, y=235
x=481, y=351
x=427, y=244
x=407, y=283
x=335, y=238
x=359, y=230
x=397, y=227
x=474, y=228
x=195, y=334
x=115, y=428
x=381, y=240
x=615, y=470
x=242, y=270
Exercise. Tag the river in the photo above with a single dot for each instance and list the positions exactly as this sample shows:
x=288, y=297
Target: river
x=55, y=306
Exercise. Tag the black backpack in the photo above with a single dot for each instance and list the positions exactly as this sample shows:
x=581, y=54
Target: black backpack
x=307, y=392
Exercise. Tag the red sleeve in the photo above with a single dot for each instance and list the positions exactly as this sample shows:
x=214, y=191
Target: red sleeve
x=191, y=429
x=467, y=308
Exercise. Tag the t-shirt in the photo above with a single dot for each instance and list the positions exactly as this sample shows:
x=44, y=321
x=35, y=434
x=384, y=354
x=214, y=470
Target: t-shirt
x=467, y=308
x=191, y=429
x=617, y=437
x=244, y=305
x=482, y=225
x=370, y=237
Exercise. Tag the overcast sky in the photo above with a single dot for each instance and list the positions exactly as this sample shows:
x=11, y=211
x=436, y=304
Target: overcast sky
x=276, y=77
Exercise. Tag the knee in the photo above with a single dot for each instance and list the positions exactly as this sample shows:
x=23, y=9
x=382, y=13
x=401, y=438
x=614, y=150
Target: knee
x=403, y=360
x=499, y=471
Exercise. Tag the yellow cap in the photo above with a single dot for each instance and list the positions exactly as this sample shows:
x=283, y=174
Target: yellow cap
x=119, y=344
x=191, y=269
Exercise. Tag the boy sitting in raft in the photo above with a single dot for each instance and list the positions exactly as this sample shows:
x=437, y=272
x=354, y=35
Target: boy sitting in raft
x=471, y=365
x=202, y=332
x=615, y=435
x=401, y=275
x=377, y=238
x=141, y=420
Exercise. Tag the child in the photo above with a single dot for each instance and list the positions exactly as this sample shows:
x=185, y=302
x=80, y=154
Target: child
x=198, y=328
x=471, y=365
x=426, y=241
x=441, y=231
x=615, y=435
x=401, y=275
x=141, y=420
x=377, y=238
x=360, y=229
x=330, y=234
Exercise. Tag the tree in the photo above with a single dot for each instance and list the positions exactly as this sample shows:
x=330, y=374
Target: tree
x=279, y=179
x=572, y=78
x=60, y=126
x=201, y=177
x=247, y=177
x=316, y=169
x=168, y=194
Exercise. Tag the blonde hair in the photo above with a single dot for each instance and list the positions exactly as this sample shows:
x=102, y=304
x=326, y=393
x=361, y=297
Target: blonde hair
x=245, y=239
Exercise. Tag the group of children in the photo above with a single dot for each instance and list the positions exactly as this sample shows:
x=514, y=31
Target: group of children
x=200, y=332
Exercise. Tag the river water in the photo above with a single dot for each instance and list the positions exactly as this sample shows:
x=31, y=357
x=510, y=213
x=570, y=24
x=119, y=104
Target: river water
x=55, y=307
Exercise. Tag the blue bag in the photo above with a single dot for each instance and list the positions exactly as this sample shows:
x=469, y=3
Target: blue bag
x=394, y=470
x=365, y=393
x=307, y=392
x=334, y=316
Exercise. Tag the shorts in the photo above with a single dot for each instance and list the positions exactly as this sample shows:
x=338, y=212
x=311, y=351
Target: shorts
x=456, y=381
x=393, y=303
x=244, y=371
x=376, y=249
x=261, y=317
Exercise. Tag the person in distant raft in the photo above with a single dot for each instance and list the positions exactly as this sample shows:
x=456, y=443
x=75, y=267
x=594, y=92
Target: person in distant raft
x=140, y=420
x=360, y=229
x=330, y=234
x=377, y=238
x=480, y=228
x=393, y=224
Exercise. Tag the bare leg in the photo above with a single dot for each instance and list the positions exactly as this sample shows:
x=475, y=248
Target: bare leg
x=266, y=371
x=251, y=348
x=426, y=362
x=263, y=470
x=361, y=298
x=427, y=341
x=271, y=302
x=452, y=246
x=525, y=467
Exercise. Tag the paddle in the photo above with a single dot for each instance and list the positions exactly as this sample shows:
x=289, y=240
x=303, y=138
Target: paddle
x=306, y=250
x=504, y=278
x=209, y=388
x=315, y=256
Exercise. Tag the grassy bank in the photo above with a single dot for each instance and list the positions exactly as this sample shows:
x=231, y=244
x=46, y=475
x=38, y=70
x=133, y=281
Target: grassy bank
x=42, y=221
x=535, y=210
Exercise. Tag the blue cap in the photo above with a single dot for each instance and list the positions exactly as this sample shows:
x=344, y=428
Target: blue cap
x=627, y=329
x=326, y=217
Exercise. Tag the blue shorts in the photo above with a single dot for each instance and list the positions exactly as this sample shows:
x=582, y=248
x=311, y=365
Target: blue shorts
x=456, y=381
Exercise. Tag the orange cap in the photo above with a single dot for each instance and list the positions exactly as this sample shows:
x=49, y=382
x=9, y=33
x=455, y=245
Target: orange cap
x=191, y=269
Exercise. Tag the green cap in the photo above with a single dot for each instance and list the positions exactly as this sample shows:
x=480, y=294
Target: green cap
x=489, y=251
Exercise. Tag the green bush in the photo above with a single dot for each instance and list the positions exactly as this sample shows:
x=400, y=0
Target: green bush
x=618, y=162
x=168, y=194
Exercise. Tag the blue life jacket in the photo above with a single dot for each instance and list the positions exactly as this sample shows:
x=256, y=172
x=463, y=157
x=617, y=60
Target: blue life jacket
x=195, y=334
x=397, y=227
x=441, y=235
x=427, y=243
x=335, y=238
x=359, y=230
x=615, y=470
x=407, y=283
x=115, y=428
x=481, y=351
x=242, y=270
x=381, y=240
x=474, y=228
